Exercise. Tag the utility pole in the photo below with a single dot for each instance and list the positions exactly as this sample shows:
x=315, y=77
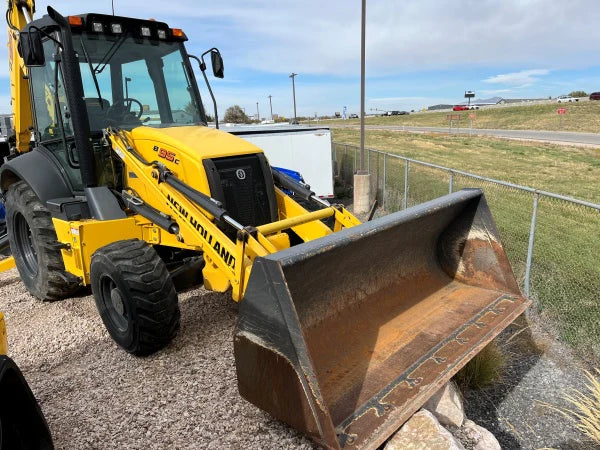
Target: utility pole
x=362, y=85
x=271, y=106
x=292, y=76
x=362, y=179
x=257, y=113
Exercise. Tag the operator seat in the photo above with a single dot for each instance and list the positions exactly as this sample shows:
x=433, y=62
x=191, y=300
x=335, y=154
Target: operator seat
x=96, y=112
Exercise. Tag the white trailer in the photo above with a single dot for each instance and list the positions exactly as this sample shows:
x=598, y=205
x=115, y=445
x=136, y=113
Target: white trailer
x=304, y=149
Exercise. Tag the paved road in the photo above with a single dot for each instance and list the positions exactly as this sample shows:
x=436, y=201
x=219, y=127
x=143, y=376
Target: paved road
x=569, y=137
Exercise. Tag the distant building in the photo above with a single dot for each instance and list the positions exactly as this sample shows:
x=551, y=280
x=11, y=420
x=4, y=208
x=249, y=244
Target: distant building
x=440, y=106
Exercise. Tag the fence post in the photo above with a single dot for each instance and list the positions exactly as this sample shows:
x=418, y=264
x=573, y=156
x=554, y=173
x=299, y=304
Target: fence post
x=354, y=167
x=405, y=183
x=451, y=184
x=377, y=178
x=369, y=160
x=383, y=189
x=530, y=245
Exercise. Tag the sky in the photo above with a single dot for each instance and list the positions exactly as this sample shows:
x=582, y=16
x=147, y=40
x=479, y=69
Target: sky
x=418, y=52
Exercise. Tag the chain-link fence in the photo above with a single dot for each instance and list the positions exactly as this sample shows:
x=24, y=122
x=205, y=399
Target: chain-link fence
x=552, y=241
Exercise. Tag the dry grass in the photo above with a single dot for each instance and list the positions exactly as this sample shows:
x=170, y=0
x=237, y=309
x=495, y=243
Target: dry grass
x=586, y=407
x=483, y=370
x=585, y=410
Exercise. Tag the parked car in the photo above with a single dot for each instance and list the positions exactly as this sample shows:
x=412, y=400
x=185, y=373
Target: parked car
x=473, y=106
x=353, y=116
x=595, y=96
x=460, y=108
x=566, y=99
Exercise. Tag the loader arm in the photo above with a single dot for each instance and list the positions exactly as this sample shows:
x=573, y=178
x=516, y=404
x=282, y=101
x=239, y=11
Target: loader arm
x=228, y=262
x=19, y=14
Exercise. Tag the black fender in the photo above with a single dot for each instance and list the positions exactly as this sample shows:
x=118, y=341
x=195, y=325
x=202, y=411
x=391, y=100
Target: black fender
x=40, y=171
x=22, y=423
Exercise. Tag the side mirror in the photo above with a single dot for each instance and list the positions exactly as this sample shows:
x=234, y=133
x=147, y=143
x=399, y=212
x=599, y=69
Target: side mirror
x=217, y=63
x=31, y=48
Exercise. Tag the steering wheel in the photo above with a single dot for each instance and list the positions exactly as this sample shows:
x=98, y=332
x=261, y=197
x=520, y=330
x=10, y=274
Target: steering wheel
x=122, y=110
x=128, y=102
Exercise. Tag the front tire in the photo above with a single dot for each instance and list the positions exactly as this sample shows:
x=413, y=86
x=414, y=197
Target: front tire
x=34, y=245
x=135, y=296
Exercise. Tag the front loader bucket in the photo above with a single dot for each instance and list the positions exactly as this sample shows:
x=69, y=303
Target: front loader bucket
x=346, y=336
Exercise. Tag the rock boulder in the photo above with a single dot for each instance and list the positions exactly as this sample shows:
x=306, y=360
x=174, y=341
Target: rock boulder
x=423, y=432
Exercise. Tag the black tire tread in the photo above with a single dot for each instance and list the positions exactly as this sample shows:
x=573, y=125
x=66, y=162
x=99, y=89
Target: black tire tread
x=151, y=289
x=56, y=284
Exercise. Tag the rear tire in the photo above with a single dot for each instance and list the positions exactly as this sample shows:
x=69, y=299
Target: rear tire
x=34, y=245
x=135, y=296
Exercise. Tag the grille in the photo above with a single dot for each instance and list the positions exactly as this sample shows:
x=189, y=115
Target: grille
x=241, y=184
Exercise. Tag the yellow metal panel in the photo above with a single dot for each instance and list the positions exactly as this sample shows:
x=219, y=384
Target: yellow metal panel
x=288, y=208
x=19, y=82
x=7, y=264
x=214, y=278
x=86, y=236
x=196, y=141
x=196, y=228
x=346, y=218
x=280, y=241
x=3, y=342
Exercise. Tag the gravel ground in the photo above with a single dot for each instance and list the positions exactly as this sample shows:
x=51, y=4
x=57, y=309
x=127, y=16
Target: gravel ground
x=95, y=395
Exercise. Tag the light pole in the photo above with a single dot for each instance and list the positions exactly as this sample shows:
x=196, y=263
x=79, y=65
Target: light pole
x=127, y=80
x=362, y=179
x=271, y=106
x=292, y=76
x=362, y=85
x=257, y=113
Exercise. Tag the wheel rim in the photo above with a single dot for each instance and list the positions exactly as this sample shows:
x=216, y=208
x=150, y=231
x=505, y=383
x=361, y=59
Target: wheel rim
x=26, y=244
x=112, y=298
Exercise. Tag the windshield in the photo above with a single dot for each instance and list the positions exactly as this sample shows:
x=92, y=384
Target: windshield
x=130, y=82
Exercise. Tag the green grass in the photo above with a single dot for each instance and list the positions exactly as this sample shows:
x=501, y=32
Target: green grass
x=581, y=116
x=483, y=370
x=570, y=171
x=565, y=271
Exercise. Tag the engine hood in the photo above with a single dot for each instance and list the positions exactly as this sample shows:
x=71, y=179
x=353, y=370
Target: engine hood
x=201, y=141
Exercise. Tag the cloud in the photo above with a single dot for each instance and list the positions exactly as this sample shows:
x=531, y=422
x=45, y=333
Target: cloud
x=462, y=42
x=496, y=91
x=521, y=79
x=316, y=37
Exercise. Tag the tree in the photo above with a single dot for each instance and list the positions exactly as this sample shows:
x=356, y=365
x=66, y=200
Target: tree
x=190, y=108
x=235, y=114
x=578, y=94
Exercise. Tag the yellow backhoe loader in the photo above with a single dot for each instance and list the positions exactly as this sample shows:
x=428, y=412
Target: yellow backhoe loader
x=344, y=329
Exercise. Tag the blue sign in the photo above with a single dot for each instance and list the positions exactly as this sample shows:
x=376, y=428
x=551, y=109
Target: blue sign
x=344, y=114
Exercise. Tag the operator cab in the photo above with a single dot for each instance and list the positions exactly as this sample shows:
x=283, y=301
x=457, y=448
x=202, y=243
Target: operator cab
x=130, y=73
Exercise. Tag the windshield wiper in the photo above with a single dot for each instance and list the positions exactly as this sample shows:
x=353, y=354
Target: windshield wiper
x=87, y=58
x=111, y=51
